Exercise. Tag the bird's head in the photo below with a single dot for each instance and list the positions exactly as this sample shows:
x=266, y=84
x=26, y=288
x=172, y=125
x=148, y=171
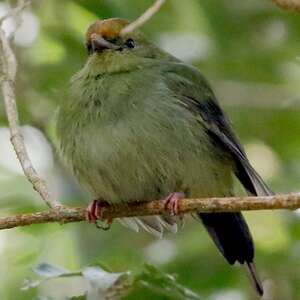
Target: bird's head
x=105, y=35
x=111, y=51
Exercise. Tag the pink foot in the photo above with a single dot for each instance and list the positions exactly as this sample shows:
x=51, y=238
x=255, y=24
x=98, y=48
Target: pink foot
x=94, y=213
x=171, y=204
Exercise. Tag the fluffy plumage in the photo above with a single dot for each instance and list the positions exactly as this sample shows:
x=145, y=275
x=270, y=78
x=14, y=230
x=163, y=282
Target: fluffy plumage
x=140, y=124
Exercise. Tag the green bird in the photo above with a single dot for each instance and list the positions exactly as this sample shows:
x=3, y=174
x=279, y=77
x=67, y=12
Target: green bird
x=139, y=124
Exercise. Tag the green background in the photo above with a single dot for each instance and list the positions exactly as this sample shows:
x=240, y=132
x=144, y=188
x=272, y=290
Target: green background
x=249, y=52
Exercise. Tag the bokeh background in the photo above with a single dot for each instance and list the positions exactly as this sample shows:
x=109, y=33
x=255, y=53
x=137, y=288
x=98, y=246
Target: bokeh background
x=249, y=52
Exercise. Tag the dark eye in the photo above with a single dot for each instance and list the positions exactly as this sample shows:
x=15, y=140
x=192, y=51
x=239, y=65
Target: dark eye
x=130, y=43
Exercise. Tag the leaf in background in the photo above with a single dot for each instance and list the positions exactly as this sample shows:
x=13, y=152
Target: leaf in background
x=49, y=271
x=101, y=284
x=100, y=279
x=78, y=298
x=165, y=284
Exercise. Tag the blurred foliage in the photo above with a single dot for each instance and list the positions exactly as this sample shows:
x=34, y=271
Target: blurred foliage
x=249, y=52
x=95, y=283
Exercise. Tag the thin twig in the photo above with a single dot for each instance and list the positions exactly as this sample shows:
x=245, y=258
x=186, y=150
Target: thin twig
x=153, y=9
x=15, y=11
x=288, y=4
x=8, y=77
x=157, y=207
x=146, y=16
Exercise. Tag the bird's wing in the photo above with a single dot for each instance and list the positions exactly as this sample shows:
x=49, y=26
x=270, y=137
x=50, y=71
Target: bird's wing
x=191, y=88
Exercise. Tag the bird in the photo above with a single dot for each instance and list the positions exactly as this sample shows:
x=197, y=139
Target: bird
x=138, y=124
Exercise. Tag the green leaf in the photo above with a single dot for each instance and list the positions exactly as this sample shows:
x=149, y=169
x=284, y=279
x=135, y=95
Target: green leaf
x=49, y=271
x=100, y=279
x=165, y=284
x=103, y=284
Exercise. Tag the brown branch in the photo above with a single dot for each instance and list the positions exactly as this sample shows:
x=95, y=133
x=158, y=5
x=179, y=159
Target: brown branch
x=157, y=207
x=153, y=9
x=8, y=78
x=146, y=16
x=288, y=4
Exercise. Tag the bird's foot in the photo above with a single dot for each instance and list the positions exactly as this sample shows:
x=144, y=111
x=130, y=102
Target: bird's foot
x=94, y=214
x=171, y=203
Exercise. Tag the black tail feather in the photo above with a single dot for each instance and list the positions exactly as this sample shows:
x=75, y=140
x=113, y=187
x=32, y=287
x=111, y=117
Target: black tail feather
x=254, y=278
x=231, y=235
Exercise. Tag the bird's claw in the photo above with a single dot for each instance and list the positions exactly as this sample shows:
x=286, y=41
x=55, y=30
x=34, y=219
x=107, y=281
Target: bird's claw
x=94, y=214
x=104, y=225
x=171, y=203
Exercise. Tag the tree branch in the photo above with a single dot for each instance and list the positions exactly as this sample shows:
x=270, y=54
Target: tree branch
x=8, y=78
x=15, y=11
x=155, y=7
x=146, y=16
x=157, y=207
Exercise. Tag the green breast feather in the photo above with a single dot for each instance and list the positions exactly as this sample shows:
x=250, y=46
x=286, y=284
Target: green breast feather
x=129, y=136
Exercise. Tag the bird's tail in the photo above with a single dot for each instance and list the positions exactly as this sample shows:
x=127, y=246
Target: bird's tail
x=231, y=235
x=250, y=266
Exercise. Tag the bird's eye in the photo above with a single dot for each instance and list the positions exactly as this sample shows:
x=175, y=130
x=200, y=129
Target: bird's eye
x=130, y=43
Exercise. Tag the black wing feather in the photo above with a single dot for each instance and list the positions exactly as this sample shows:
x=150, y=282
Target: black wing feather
x=220, y=132
x=229, y=231
x=195, y=94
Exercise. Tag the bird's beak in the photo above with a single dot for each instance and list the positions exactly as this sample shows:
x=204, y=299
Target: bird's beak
x=99, y=43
